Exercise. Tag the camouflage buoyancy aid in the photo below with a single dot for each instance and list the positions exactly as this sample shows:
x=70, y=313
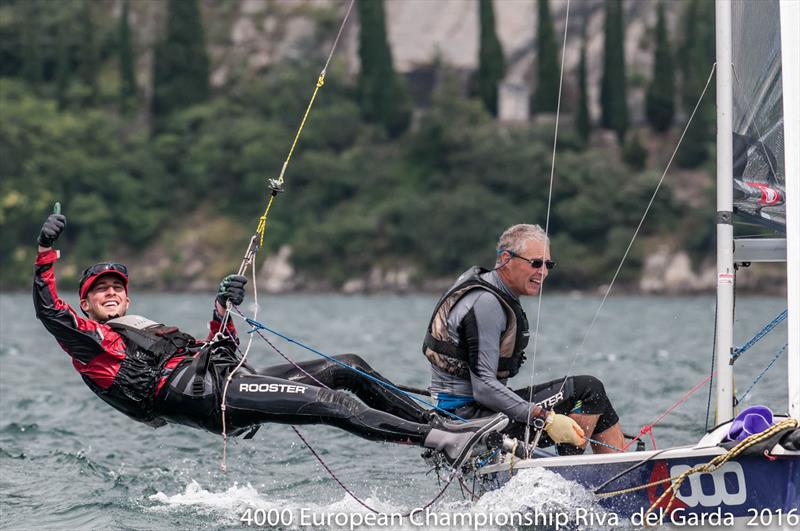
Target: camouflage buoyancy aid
x=454, y=358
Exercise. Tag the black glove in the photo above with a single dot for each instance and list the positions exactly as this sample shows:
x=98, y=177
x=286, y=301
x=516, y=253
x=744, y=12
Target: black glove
x=231, y=289
x=51, y=229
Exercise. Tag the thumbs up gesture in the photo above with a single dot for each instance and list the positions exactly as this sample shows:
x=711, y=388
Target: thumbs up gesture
x=52, y=227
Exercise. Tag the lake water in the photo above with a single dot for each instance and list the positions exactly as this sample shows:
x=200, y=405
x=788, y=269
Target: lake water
x=68, y=461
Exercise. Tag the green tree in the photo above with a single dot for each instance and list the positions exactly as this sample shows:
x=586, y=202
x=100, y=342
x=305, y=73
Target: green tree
x=63, y=66
x=613, y=98
x=32, y=69
x=545, y=97
x=583, y=121
x=699, y=51
x=127, y=69
x=491, y=67
x=634, y=154
x=89, y=56
x=382, y=96
x=659, y=104
x=181, y=65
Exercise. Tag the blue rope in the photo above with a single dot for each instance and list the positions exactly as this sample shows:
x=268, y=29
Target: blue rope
x=771, y=363
x=761, y=333
x=258, y=326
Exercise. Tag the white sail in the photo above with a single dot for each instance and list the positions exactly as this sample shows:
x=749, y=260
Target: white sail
x=758, y=118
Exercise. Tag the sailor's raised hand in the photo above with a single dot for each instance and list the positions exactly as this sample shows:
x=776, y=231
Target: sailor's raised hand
x=52, y=228
x=563, y=429
x=231, y=289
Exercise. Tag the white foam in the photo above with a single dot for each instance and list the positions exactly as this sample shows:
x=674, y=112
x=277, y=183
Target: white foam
x=531, y=491
x=548, y=498
x=235, y=499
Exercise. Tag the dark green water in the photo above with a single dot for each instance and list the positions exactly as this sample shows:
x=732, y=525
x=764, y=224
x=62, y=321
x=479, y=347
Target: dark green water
x=68, y=461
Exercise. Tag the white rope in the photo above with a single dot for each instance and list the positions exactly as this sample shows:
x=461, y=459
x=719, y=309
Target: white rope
x=546, y=231
x=638, y=227
x=224, y=464
x=336, y=40
x=247, y=261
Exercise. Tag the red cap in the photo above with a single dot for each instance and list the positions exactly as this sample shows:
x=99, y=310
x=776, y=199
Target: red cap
x=91, y=274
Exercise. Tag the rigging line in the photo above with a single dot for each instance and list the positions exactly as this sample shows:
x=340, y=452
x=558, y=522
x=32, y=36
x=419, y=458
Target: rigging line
x=648, y=428
x=276, y=185
x=738, y=351
x=453, y=475
x=627, y=471
x=284, y=356
x=768, y=367
x=311, y=449
x=339, y=34
x=713, y=362
x=638, y=228
x=546, y=232
x=224, y=463
x=258, y=326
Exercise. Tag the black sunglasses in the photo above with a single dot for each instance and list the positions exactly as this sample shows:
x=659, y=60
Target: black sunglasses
x=535, y=263
x=102, y=267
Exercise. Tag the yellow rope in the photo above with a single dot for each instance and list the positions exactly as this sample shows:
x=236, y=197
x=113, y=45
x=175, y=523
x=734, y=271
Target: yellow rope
x=262, y=221
x=721, y=459
x=513, y=454
x=712, y=465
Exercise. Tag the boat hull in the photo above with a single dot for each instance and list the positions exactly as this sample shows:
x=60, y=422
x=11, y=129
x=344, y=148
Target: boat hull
x=747, y=488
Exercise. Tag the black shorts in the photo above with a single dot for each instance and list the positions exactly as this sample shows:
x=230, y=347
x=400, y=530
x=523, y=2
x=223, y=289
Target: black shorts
x=580, y=394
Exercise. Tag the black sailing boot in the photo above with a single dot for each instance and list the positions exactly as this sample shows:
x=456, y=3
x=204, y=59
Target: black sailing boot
x=456, y=441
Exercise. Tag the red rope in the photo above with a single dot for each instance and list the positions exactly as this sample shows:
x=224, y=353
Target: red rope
x=648, y=428
x=324, y=465
x=356, y=498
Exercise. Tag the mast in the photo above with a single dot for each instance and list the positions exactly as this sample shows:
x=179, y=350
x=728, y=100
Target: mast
x=790, y=48
x=725, y=270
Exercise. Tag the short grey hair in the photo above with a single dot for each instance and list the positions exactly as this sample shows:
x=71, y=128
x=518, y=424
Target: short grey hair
x=513, y=238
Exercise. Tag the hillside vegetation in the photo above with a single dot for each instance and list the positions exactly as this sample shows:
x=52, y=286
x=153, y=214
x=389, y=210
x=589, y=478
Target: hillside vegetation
x=179, y=193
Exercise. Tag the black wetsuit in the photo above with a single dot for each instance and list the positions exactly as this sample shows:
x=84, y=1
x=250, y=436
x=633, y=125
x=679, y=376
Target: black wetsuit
x=160, y=387
x=311, y=394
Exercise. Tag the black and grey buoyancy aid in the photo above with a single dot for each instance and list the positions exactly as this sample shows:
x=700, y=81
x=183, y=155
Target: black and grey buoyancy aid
x=453, y=358
x=148, y=348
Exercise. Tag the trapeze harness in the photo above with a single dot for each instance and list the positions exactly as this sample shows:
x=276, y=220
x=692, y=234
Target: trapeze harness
x=149, y=346
x=192, y=393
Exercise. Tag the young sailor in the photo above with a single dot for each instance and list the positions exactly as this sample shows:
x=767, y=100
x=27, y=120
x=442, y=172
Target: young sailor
x=476, y=340
x=157, y=374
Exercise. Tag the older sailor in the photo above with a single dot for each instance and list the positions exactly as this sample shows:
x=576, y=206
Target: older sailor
x=475, y=342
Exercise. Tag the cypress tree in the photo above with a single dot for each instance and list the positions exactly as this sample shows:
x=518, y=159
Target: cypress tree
x=89, y=60
x=181, y=65
x=613, y=98
x=659, y=105
x=545, y=97
x=127, y=70
x=699, y=50
x=491, y=68
x=382, y=96
x=583, y=122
